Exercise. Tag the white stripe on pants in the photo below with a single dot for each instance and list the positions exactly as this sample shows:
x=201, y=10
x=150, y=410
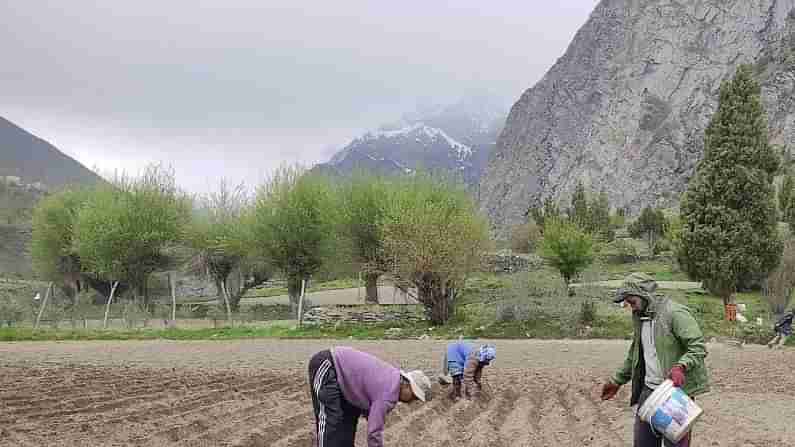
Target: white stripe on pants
x=320, y=375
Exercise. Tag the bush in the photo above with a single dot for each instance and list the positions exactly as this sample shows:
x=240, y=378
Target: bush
x=567, y=248
x=525, y=237
x=588, y=312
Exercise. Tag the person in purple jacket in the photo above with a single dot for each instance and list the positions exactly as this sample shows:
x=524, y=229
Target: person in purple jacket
x=346, y=383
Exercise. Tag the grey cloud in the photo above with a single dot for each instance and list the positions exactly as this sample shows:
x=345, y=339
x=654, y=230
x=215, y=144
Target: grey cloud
x=234, y=88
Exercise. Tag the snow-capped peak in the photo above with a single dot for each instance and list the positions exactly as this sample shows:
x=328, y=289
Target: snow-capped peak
x=418, y=130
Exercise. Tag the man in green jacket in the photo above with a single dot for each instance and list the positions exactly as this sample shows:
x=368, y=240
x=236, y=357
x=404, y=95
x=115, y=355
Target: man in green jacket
x=667, y=343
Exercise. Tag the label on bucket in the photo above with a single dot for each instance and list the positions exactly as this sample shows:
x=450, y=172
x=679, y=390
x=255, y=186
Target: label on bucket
x=674, y=415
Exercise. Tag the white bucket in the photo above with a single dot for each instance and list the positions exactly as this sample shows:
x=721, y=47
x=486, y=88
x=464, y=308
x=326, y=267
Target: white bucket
x=670, y=411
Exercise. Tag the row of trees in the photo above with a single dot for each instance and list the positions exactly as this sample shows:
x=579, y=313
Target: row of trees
x=591, y=214
x=424, y=232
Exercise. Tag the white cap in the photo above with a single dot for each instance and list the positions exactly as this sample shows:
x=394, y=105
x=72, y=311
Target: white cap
x=420, y=383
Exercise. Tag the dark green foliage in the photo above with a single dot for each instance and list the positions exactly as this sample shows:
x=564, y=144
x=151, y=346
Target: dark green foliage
x=785, y=194
x=599, y=218
x=578, y=212
x=789, y=212
x=651, y=226
x=729, y=233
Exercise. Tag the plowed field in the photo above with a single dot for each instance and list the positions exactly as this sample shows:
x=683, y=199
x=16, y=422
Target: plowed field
x=254, y=393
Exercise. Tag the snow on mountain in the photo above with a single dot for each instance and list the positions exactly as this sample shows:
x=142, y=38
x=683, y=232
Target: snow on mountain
x=457, y=139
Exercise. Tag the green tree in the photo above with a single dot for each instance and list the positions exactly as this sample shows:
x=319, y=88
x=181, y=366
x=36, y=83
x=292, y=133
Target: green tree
x=52, y=245
x=364, y=202
x=651, y=225
x=295, y=225
x=599, y=217
x=568, y=248
x=434, y=238
x=122, y=231
x=220, y=235
x=578, y=212
x=729, y=233
x=785, y=194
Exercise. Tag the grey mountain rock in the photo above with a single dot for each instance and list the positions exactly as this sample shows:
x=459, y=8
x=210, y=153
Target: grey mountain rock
x=625, y=108
x=34, y=160
x=456, y=139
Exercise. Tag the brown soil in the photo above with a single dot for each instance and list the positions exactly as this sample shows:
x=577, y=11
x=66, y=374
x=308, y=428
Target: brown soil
x=254, y=393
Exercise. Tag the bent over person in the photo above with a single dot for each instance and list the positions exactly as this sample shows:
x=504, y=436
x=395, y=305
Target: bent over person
x=465, y=363
x=346, y=383
x=667, y=343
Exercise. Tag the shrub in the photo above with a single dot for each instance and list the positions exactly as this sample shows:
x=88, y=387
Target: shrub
x=567, y=248
x=588, y=312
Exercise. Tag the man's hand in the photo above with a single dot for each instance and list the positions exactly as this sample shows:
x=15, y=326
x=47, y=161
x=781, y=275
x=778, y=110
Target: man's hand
x=609, y=390
x=677, y=376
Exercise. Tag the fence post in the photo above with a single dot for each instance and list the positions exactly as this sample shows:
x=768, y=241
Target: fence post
x=43, y=305
x=301, y=304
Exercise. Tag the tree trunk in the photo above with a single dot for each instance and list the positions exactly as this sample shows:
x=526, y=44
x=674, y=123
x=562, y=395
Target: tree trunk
x=371, y=288
x=107, y=307
x=225, y=292
x=172, y=279
x=43, y=305
x=437, y=298
x=294, y=291
x=301, y=304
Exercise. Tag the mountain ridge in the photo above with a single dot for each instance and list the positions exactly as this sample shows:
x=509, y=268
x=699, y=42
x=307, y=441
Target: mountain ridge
x=34, y=160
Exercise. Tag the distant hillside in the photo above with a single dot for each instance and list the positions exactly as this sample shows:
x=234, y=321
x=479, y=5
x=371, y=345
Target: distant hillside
x=34, y=160
x=455, y=139
x=29, y=168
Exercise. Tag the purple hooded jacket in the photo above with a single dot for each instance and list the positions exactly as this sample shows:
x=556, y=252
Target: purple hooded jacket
x=369, y=384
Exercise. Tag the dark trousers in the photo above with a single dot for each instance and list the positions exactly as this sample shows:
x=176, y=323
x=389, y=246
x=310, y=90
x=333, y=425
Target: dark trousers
x=335, y=417
x=646, y=436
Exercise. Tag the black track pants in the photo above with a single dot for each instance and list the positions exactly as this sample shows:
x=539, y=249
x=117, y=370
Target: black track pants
x=335, y=417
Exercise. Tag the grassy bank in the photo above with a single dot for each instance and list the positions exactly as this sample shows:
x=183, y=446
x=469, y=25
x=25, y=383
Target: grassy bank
x=477, y=319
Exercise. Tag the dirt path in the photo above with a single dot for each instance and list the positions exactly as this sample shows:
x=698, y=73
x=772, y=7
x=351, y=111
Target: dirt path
x=253, y=393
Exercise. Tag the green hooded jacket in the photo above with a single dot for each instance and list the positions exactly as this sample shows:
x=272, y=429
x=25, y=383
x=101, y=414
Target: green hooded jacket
x=679, y=341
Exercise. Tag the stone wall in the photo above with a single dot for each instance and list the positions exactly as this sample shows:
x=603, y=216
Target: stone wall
x=363, y=314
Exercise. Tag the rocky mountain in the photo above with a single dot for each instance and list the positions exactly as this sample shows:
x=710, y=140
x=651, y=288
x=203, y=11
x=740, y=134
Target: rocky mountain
x=34, y=160
x=625, y=108
x=29, y=167
x=455, y=139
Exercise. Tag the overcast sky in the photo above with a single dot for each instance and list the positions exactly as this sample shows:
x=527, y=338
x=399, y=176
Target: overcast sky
x=234, y=88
